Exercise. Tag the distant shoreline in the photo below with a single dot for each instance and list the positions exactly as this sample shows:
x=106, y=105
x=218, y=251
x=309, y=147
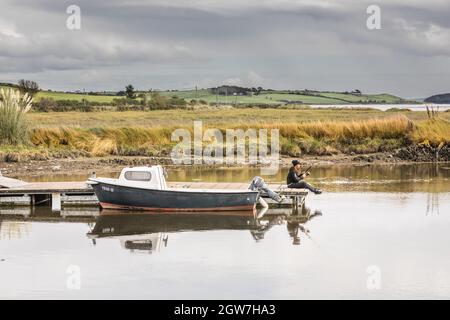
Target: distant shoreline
x=386, y=107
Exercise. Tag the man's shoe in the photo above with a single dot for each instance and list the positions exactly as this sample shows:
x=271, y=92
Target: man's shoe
x=317, y=191
x=282, y=198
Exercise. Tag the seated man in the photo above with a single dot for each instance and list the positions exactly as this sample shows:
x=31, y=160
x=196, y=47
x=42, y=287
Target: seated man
x=295, y=178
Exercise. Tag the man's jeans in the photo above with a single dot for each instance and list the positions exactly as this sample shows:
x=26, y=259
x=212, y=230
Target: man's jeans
x=302, y=185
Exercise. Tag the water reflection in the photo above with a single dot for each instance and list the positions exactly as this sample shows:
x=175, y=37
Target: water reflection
x=148, y=232
x=137, y=255
x=432, y=204
x=10, y=229
x=295, y=224
x=144, y=232
x=296, y=227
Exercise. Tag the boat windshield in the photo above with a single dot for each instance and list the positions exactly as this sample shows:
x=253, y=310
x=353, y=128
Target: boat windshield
x=138, y=175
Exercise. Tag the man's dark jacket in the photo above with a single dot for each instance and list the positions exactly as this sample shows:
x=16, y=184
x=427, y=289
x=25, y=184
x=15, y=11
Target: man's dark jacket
x=293, y=177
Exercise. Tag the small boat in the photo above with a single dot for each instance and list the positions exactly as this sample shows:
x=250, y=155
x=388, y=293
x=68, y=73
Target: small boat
x=145, y=188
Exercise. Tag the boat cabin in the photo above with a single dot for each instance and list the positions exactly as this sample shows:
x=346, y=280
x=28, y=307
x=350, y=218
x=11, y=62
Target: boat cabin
x=138, y=177
x=144, y=177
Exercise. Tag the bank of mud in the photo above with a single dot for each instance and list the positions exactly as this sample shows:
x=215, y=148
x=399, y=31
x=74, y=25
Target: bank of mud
x=17, y=167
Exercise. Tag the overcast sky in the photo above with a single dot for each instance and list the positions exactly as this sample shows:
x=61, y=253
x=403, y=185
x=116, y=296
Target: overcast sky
x=279, y=44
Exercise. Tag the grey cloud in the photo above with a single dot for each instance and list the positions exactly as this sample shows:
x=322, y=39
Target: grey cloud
x=288, y=44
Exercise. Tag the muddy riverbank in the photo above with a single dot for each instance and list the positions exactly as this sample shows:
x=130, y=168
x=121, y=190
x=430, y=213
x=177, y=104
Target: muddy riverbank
x=87, y=165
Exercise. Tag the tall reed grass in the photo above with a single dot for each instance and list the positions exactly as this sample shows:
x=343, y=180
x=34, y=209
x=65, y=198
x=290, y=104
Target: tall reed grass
x=320, y=137
x=13, y=106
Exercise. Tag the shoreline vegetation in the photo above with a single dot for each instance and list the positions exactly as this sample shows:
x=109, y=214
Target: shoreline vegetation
x=113, y=137
x=354, y=134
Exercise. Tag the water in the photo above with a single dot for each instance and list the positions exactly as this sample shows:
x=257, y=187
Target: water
x=377, y=232
x=384, y=107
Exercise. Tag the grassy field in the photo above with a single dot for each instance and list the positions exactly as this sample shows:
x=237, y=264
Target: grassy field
x=74, y=96
x=265, y=97
x=281, y=97
x=305, y=131
x=210, y=116
x=71, y=96
x=316, y=137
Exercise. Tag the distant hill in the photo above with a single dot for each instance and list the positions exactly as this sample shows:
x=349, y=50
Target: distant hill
x=238, y=95
x=439, y=98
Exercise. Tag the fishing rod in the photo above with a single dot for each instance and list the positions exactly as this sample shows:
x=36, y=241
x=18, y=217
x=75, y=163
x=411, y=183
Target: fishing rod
x=306, y=171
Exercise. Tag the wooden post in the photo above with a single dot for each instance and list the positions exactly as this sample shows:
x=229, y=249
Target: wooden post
x=56, y=202
x=295, y=203
x=302, y=202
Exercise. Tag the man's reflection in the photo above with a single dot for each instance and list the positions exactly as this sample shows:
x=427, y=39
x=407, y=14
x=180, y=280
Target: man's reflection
x=295, y=225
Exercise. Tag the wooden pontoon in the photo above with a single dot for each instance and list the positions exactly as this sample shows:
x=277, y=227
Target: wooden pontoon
x=15, y=192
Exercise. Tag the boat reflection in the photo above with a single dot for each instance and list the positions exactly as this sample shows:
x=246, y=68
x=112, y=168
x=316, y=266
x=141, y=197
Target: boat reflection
x=143, y=232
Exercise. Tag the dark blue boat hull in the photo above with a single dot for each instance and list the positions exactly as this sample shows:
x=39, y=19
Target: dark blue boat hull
x=121, y=197
x=120, y=224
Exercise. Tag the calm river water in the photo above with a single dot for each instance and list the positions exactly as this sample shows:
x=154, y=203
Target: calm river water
x=376, y=232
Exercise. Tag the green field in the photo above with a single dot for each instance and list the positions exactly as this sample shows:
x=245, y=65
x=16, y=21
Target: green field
x=281, y=97
x=74, y=96
x=264, y=98
x=71, y=96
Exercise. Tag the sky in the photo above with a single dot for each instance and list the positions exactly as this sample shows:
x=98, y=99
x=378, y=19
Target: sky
x=180, y=44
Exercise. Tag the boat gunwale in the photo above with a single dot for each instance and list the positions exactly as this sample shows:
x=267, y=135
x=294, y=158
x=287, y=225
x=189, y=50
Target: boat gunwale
x=179, y=190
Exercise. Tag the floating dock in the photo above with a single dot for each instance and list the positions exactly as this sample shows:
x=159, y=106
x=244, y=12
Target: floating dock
x=15, y=192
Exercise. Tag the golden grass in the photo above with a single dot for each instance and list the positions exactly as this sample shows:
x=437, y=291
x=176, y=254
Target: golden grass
x=212, y=117
x=386, y=128
x=319, y=137
x=103, y=141
x=313, y=131
x=433, y=131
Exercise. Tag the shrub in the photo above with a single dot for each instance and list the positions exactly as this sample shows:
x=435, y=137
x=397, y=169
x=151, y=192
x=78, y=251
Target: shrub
x=398, y=110
x=130, y=93
x=157, y=102
x=126, y=104
x=28, y=86
x=175, y=101
x=49, y=104
x=85, y=106
x=46, y=105
x=13, y=106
